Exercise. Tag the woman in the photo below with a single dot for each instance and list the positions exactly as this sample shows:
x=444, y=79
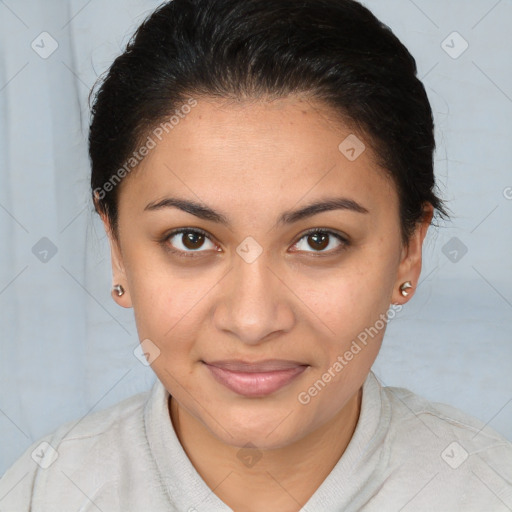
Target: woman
x=264, y=174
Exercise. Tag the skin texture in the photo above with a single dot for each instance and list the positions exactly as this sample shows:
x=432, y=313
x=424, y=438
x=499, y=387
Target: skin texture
x=252, y=161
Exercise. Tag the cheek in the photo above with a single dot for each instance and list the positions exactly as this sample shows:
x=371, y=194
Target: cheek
x=350, y=296
x=350, y=306
x=164, y=309
x=162, y=298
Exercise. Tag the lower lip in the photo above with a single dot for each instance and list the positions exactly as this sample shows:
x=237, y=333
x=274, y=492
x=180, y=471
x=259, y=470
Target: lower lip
x=255, y=384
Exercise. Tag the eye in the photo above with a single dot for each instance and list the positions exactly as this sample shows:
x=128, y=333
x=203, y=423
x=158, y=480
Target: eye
x=320, y=239
x=187, y=241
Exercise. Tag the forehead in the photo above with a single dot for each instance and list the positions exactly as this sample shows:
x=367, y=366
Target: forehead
x=250, y=154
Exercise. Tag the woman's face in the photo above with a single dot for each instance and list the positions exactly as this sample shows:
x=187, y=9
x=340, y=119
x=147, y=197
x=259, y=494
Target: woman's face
x=257, y=286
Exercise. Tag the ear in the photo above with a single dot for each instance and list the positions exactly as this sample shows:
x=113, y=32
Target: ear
x=118, y=268
x=411, y=258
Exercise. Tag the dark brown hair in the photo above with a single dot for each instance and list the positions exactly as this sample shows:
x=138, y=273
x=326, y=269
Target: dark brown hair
x=335, y=51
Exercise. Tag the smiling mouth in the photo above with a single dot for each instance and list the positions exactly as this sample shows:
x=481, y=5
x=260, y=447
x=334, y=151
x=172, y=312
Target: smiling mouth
x=256, y=379
x=267, y=365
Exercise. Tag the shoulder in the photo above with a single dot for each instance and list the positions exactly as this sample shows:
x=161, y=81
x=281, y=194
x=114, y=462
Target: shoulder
x=410, y=410
x=93, y=441
x=111, y=425
x=459, y=459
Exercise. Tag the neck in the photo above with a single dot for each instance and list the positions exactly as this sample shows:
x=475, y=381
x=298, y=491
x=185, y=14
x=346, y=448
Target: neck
x=286, y=476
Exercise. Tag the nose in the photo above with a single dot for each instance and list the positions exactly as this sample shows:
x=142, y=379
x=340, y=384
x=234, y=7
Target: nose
x=254, y=304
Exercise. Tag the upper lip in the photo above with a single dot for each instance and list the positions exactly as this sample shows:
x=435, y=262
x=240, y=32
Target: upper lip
x=267, y=365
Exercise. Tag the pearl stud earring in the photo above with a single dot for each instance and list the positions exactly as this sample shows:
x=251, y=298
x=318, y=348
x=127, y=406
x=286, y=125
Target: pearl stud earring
x=118, y=289
x=404, y=287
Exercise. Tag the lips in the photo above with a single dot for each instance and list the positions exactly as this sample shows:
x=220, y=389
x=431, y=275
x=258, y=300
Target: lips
x=267, y=365
x=255, y=379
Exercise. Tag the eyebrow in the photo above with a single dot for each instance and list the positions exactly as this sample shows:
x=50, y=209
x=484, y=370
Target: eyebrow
x=288, y=217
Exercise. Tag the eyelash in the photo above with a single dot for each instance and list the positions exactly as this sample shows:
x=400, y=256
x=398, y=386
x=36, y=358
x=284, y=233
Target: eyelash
x=191, y=254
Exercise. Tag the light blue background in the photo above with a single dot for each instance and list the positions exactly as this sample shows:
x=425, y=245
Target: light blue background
x=67, y=348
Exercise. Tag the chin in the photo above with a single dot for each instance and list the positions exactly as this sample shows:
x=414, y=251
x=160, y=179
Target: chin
x=266, y=432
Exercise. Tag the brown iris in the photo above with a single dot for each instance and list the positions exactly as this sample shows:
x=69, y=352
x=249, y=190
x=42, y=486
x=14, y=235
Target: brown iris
x=320, y=240
x=192, y=240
